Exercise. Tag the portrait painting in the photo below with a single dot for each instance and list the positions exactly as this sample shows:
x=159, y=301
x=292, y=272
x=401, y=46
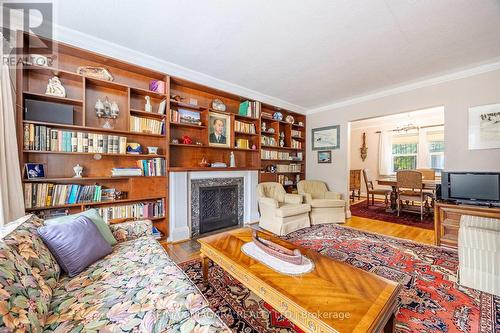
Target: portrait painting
x=219, y=130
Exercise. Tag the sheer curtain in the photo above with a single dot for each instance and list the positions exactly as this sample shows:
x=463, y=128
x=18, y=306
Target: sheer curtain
x=11, y=192
x=385, y=153
x=423, y=156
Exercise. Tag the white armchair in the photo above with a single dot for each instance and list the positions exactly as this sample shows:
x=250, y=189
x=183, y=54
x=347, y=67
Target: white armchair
x=326, y=206
x=479, y=253
x=281, y=212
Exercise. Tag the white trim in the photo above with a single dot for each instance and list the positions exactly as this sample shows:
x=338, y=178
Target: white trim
x=110, y=49
x=409, y=87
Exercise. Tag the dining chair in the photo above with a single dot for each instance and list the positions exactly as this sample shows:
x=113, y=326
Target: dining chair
x=410, y=188
x=355, y=183
x=428, y=174
x=371, y=190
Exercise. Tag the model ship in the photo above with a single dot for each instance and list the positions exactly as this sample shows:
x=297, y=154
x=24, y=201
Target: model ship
x=277, y=251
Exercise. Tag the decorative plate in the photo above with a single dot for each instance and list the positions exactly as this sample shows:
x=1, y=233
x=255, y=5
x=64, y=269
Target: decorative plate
x=218, y=105
x=278, y=116
x=289, y=119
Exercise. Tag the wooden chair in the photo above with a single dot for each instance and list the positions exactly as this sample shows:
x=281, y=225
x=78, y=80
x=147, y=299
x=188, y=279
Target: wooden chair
x=427, y=174
x=409, y=188
x=371, y=190
x=355, y=183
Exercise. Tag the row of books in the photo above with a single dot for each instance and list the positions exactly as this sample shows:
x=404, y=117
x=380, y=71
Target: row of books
x=153, y=167
x=297, y=133
x=288, y=167
x=43, y=138
x=249, y=109
x=296, y=144
x=147, y=125
x=274, y=155
x=38, y=195
x=285, y=180
x=240, y=126
x=242, y=143
x=137, y=210
x=268, y=141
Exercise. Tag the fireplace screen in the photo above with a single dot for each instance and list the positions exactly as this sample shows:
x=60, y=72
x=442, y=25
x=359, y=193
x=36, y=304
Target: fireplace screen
x=218, y=207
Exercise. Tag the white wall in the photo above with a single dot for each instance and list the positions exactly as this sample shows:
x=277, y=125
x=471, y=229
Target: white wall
x=456, y=97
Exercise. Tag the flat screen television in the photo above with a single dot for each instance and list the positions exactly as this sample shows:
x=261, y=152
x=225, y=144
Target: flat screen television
x=482, y=188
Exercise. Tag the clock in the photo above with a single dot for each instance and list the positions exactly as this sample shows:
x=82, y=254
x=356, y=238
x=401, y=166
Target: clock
x=218, y=105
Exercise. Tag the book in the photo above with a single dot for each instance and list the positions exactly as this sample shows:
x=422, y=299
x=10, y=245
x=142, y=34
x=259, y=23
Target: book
x=162, y=106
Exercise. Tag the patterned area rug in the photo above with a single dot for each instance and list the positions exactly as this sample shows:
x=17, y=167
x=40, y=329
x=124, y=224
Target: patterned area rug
x=431, y=300
x=377, y=212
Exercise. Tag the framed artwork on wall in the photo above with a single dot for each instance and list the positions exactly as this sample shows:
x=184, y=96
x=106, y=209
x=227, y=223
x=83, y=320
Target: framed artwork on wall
x=219, y=129
x=324, y=156
x=324, y=138
x=484, y=126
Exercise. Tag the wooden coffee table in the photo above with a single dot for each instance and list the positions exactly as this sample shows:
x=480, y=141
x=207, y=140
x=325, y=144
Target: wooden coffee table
x=334, y=297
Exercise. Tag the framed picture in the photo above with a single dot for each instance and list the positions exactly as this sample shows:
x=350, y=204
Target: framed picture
x=484, y=127
x=324, y=156
x=34, y=170
x=219, y=129
x=189, y=117
x=324, y=138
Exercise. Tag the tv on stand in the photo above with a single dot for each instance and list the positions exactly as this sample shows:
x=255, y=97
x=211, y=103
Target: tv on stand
x=473, y=188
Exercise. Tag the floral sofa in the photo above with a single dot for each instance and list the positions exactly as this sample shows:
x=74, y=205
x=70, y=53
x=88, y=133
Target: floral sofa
x=137, y=288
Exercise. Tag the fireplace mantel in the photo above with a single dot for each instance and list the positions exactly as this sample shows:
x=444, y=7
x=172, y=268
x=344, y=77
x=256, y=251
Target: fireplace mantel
x=180, y=197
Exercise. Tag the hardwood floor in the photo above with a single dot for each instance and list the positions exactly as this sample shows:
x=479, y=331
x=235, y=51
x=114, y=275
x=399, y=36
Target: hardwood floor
x=190, y=249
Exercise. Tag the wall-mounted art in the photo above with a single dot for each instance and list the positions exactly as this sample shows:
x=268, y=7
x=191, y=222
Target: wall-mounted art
x=364, y=149
x=324, y=138
x=484, y=127
x=324, y=156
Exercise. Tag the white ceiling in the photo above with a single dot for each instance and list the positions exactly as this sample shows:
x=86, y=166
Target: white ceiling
x=307, y=53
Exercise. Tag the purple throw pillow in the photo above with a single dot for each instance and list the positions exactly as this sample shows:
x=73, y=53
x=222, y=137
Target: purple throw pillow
x=76, y=244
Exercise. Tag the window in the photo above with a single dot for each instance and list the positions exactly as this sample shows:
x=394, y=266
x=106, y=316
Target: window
x=404, y=156
x=436, y=152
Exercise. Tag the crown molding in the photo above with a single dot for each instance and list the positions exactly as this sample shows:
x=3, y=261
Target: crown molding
x=409, y=87
x=98, y=45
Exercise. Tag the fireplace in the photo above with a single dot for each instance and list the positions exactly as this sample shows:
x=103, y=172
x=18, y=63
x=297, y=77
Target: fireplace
x=216, y=203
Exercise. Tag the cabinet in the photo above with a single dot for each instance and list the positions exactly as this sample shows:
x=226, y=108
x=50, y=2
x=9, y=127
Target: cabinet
x=447, y=221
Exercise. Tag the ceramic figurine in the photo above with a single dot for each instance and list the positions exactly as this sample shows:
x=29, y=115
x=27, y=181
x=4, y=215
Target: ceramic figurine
x=232, y=161
x=55, y=88
x=264, y=129
x=148, y=107
x=78, y=169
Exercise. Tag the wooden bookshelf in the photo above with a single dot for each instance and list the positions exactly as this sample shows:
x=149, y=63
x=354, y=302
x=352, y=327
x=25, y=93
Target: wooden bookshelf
x=128, y=90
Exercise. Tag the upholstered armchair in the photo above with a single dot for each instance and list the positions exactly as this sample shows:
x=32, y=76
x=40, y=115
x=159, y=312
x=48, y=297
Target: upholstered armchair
x=479, y=253
x=281, y=212
x=326, y=206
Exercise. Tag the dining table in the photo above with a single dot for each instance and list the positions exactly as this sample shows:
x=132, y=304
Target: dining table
x=427, y=184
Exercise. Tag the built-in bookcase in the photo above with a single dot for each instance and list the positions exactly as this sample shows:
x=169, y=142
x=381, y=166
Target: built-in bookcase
x=128, y=89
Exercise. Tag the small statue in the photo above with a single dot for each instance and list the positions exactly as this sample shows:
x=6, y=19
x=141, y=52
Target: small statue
x=264, y=129
x=148, y=107
x=78, y=169
x=232, y=161
x=55, y=88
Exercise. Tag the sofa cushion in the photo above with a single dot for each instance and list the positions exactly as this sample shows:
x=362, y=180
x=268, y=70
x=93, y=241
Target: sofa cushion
x=327, y=203
x=136, y=286
x=24, y=239
x=24, y=296
x=291, y=210
x=76, y=244
x=94, y=216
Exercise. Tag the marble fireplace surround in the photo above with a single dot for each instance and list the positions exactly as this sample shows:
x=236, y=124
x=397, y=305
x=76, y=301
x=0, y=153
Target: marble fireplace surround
x=180, y=183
